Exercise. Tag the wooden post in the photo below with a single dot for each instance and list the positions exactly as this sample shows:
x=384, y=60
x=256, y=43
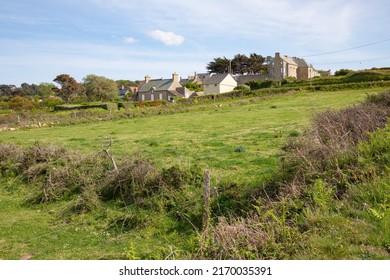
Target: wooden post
x=206, y=200
x=109, y=155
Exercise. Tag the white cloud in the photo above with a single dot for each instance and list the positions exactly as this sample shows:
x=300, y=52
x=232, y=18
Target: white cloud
x=331, y=22
x=129, y=40
x=168, y=38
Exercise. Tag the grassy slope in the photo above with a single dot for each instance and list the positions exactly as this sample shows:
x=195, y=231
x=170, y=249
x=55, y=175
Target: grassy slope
x=208, y=138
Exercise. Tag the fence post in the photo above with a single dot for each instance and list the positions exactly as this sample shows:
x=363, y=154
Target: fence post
x=206, y=200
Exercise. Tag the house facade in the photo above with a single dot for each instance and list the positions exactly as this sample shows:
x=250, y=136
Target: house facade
x=281, y=67
x=219, y=83
x=305, y=70
x=161, y=89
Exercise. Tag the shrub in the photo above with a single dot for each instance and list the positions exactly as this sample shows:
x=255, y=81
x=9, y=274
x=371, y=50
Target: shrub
x=242, y=87
x=328, y=150
x=365, y=76
x=11, y=157
x=135, y=178
x=19, y=103
x=270, y=233
x=289, y=80
x=177, y=177
x=262, y=84
x=343, y=72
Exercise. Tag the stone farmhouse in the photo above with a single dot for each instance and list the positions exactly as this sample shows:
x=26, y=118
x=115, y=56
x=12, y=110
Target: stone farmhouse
x=161, y=89
x=281, y=67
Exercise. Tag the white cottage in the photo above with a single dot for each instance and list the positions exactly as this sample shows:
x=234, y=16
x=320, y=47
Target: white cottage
x=219, y=83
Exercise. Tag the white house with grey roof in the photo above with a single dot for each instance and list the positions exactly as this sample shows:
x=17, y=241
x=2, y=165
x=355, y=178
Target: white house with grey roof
x=219, y=83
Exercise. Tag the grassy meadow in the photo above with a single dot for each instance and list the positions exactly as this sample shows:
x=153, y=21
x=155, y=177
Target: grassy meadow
x=234, y=139
x=238, y=140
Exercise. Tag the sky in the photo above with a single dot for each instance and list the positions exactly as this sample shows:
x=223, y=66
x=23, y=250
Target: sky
x=129, y=39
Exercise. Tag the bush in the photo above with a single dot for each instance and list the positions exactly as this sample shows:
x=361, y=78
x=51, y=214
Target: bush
x=328, y=150
x=242, y=87
x=289, y=80
x=11, y=157
x=262, y=84
x=19, y=103
x=135, y=178
x=343, y=72
x=365, y=76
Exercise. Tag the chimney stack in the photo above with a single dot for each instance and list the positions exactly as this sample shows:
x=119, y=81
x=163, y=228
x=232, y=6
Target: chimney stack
x=277, y=55
x=175, y=77
x=147, y=78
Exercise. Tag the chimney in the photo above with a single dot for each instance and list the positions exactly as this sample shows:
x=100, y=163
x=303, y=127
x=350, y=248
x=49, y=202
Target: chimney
x=147, y=78
x=175, y=78
x=277, y=55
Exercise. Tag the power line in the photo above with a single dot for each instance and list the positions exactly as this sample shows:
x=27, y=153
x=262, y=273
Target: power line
x=344, y=50
x=354, y=61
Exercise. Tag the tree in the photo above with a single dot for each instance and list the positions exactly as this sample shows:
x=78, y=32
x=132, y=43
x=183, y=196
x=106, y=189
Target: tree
x=343, y=72
x=100, y=88
x=256, y=64
x=240, y=64
x=46, y=90
x=29, y=90
x=219, y=65
x=193, y=86
x=7, y=90
x=70, y=88
x=127, y=83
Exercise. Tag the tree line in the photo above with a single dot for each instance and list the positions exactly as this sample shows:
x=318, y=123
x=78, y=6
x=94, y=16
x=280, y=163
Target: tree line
x=68, y=90
x=240, y=64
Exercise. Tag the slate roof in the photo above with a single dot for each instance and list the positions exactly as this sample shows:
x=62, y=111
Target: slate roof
x=216, y=79
x=289, y=60
x=301, y=62
x=160, y=84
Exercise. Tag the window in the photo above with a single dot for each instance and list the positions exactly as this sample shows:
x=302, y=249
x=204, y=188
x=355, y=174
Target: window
x=143, y=97
x=152, y=97
x=161, y=96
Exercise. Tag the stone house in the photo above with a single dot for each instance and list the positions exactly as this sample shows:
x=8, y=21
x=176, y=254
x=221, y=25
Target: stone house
x=281, y=67
x=219, y=83
x=305, y=70
x=162, y=89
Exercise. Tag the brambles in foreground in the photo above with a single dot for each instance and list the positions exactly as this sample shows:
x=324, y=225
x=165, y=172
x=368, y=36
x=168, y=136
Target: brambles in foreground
x=333, y=206
x=329, y=146
x=153, y=211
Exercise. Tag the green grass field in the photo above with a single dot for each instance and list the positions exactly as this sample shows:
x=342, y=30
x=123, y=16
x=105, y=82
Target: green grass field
x=207, y=138
x=238, y=142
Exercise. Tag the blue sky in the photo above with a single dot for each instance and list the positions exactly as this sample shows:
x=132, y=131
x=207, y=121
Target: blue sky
x=122, y=39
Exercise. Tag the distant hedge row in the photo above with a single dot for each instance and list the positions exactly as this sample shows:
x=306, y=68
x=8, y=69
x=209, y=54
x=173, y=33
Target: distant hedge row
x=105, y=106
x=282, y=90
